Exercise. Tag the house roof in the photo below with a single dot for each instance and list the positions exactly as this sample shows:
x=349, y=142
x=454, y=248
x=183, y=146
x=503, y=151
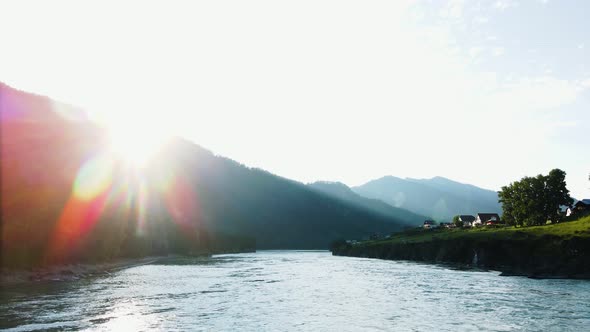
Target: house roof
x=488, y=216
x=466, y=217
x=428, y=222
x=585, y=202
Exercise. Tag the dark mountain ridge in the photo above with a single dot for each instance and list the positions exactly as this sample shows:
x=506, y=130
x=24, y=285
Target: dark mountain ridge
x=280, y=213
x=65, y=198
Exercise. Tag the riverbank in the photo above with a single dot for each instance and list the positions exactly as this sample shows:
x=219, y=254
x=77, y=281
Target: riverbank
x=552, y=251
x=70, y=271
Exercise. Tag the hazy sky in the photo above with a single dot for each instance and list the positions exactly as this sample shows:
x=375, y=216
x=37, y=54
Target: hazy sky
x=482, y=92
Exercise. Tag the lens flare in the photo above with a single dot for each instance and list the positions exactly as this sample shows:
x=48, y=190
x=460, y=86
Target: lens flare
x=105, y=186
x=94, y=177
x=182, y=203
x=142, y=206
x=83, y=208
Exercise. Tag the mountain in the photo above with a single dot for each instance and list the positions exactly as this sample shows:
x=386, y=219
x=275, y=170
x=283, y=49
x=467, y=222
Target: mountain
x=343, y=192
x=67, y=198
x=438, y=197
x=278, y=212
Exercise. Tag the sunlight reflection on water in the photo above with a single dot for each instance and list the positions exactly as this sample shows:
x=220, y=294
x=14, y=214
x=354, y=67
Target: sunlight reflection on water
x=295, y=290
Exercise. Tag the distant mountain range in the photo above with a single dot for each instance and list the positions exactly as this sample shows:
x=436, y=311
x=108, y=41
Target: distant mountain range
x=343, y=192
x=439, y=198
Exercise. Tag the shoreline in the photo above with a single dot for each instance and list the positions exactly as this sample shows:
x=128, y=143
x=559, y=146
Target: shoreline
x=70, y=272
x=561, y=251
x=76, y=271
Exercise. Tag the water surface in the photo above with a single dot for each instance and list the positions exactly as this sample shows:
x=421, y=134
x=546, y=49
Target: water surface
x=298, y=291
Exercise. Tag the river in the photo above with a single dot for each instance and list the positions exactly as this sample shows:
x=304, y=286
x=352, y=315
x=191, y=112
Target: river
x=297, y=291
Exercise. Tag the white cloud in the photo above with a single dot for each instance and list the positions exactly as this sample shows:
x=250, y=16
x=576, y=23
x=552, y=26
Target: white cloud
x=453, y=9
x=565, y=124
x=531, y=94
x=474, y=52
x=498, y=51
x=481, y=20
x=505, y=4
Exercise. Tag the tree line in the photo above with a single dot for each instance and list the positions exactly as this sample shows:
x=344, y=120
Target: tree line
x=535, y=200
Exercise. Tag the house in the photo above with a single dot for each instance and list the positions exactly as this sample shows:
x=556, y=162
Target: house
x=486, y=219
x=429, y=224
x=582, y=205
x=467, y=220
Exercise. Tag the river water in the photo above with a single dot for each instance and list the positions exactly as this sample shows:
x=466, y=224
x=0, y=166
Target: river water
x=297, y=291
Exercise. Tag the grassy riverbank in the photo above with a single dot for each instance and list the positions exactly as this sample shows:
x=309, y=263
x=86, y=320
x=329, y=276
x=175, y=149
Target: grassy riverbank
x=559, y=250
x=576, y=228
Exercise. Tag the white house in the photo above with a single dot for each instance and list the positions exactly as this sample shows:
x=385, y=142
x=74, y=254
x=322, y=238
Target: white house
x=429, y=224
x=486, y=218
x=466, y=219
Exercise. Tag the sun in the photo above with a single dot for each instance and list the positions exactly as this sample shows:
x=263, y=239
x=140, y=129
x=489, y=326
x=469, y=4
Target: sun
x=136, y=144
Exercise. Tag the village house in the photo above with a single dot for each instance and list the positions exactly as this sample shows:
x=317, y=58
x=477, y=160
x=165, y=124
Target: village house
x=486, y=219
x=582, y=205
x=466, y=219
x=429, y=224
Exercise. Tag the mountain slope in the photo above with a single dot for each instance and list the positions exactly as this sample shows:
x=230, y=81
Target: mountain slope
x=343, y=192
x=438, y=197
x=278, y=212
x=465, y=191
x=65, y=197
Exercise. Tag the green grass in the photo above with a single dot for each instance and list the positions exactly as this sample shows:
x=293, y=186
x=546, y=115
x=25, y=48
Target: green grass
x=578, y=228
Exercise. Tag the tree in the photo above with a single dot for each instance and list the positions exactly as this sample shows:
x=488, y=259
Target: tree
x=534, y=200
x=557, y=194
x=457, y=222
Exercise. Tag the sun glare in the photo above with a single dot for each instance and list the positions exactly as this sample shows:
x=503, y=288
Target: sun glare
x=135, y=144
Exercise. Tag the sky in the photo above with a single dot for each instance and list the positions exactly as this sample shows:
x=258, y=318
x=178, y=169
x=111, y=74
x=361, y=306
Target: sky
x=481, y=92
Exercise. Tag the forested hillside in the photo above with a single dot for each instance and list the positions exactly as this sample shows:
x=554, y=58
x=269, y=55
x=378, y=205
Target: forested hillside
x=66, y=197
